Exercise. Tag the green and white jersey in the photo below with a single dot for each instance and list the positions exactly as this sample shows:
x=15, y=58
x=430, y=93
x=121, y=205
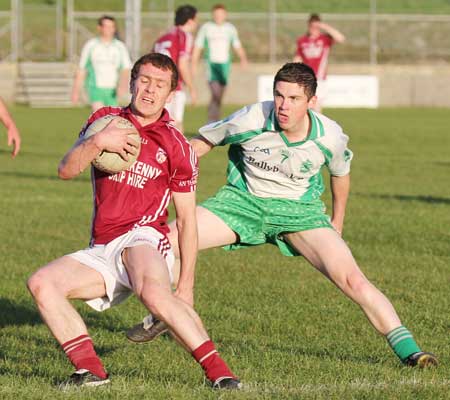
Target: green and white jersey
x=263, y=162
x=217, y=40
x=103, y=62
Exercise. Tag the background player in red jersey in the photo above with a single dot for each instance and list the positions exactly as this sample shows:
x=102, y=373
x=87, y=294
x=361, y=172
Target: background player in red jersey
x=178, y=43
x=313, y=49
x=129, y=251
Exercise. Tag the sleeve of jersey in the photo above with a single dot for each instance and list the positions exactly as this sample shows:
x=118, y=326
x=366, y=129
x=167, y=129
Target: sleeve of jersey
x=341, y=156
x=232, y=130
x=185, y=176
x=185, y=45
x=85, y=51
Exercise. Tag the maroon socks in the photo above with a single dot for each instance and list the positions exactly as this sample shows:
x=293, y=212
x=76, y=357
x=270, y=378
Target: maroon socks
x=81, y=354
x=213, y=365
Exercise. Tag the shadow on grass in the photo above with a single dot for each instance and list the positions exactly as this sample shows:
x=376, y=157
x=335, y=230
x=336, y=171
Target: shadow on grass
x=403, y=197
x=14, y=313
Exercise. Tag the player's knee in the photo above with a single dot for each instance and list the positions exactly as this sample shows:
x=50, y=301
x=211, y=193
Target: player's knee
x=40, y=285
x=155, y=299
x=358, y=285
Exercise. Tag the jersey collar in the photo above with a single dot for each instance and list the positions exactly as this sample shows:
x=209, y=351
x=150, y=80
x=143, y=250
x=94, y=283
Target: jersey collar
x=163, y=119
x=316, y=129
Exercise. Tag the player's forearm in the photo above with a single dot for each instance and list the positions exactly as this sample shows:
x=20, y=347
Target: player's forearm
x=77, y=82
x=340, y=189
x=334, y=33
x=188, y=245
x=186, y=74
x=5, y=117
x=195, y=59
x=78, y=158
x=241, y=54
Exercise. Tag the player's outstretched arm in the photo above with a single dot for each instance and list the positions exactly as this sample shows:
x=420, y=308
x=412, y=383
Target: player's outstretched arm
x=186, y=222
x=12, y=131
x=200, y=145
x=82, y=153
x=340, y=188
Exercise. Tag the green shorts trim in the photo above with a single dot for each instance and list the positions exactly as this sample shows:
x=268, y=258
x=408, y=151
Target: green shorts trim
x=107, y=97
x=264, y=220
x=219, y=72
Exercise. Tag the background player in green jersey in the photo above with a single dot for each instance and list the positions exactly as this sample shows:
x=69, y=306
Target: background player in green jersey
x=272, y=195
x=104, y=67
x=216, y=39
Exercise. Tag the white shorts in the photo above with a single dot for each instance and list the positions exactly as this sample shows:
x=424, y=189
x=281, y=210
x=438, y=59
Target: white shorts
x=176, y=106
x=107, y=259
x=322, y=90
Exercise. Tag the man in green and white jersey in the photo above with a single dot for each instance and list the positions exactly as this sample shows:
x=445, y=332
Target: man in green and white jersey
x=216, y=39
x=104, y=67
x=272, y=195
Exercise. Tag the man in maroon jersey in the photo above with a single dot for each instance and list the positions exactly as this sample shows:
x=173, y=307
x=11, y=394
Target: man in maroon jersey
x=313, y=49
x=178, y=43
x=129, y=251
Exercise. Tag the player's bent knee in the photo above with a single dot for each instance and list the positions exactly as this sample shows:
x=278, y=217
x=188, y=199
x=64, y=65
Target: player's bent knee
x=41, y=285
x=156, y=300
x=357, y=285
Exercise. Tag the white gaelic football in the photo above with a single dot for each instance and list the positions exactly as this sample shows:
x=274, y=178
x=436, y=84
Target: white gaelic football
x=112, y=162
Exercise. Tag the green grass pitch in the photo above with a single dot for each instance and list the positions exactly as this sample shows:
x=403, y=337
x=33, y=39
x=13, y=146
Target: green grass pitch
x=285, y=330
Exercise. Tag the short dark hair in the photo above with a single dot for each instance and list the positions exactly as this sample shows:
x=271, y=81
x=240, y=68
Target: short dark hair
x=299, y=73
x=314, y=18
x=184, y=13
x=105, y=18
x=219, y=6
x=160, y=61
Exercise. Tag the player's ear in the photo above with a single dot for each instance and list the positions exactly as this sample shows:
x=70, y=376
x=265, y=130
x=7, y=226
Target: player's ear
x=312, y=102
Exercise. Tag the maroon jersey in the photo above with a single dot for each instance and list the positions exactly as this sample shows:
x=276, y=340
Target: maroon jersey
x=176, y=44
x=314, y=52
x=140, y=195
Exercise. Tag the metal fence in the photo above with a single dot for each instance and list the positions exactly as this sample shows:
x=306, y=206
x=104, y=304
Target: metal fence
x=45, y=32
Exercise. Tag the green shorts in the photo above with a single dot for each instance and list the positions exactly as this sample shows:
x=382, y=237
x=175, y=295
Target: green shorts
x=264, y=220
x=107, y=97
x=219, y=72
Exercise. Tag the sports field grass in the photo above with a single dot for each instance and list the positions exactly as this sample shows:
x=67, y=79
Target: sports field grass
x=285, y=330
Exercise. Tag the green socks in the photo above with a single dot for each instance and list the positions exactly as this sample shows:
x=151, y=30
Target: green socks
x=402, y=342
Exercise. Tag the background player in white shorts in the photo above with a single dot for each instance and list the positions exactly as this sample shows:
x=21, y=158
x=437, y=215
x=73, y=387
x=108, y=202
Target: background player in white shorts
x=104, y=67
x=129, y=250
x=216, y=38
x=273, y=190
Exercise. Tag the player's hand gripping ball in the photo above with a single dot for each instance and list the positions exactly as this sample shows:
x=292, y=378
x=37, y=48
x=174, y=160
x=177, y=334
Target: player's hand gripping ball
x=112, y=162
